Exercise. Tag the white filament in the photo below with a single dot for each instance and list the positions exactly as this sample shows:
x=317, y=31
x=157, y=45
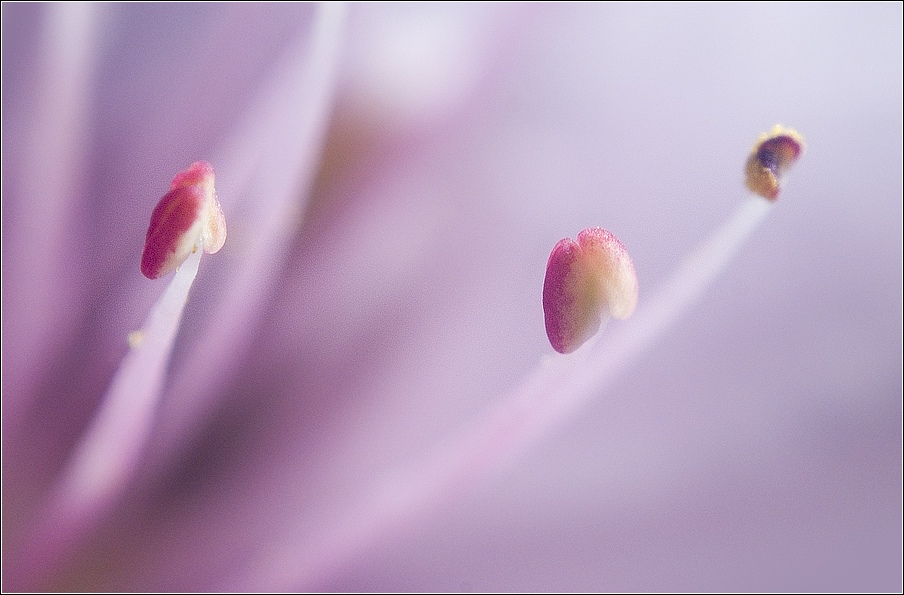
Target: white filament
x=555, y=390
x=110, y=449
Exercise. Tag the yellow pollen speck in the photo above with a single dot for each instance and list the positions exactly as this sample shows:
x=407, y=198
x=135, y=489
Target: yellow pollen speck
x=135, y=339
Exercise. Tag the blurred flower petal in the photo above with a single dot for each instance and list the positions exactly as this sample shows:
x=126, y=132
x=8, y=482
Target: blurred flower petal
x=754, y=446
x=41, y=260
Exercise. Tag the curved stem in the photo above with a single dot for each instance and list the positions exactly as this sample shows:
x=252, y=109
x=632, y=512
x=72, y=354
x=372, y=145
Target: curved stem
x=111, y=447
x=556, y=389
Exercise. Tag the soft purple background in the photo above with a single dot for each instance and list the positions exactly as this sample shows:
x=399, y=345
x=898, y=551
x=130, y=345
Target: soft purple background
x=757, y=446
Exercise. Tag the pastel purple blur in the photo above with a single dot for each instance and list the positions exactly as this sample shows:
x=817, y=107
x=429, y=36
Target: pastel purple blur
x=394, y=177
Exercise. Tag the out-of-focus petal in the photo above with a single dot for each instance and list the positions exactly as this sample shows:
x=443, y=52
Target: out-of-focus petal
x=757, y=447
x=46, y=127
x=369, y=372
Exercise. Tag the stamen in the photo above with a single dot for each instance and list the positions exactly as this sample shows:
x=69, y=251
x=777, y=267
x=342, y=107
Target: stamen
x=772, y=156
x=110, y=449
x=186, y=219
x=586, y=282
x=270, y=156
x=552, y=392
x=189, y=211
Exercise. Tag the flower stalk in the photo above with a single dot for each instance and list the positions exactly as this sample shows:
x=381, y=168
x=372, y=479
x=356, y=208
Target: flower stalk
x=108, y=454
x=264, y=184
x=554, y=391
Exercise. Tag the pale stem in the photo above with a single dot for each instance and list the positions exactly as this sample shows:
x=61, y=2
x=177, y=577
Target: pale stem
x=269, y=159
x=554, y=391
x=110, y=449
x=272, y=158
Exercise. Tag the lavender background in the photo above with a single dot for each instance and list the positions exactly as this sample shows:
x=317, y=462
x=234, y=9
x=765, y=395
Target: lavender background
x=757, y=446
